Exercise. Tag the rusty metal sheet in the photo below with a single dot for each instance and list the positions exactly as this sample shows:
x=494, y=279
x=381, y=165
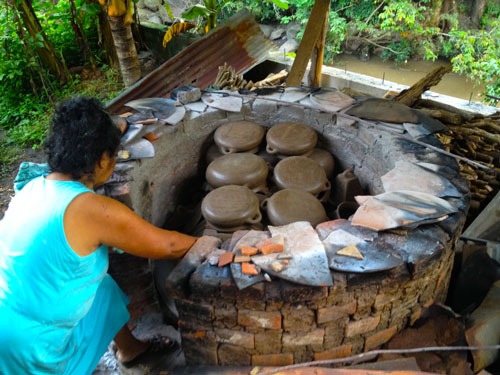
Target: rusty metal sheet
x=309, y=265
x=238, y=41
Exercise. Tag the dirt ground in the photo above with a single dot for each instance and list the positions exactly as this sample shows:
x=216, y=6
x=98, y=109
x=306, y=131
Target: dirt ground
x=7, y=179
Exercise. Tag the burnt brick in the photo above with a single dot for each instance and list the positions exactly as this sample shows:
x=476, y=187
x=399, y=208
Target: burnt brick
x=315, y=337
x=334, y=333
x=259, y=319
x=205, y=281
x=297, y=318
x=332, y=313
x=230, y=355
x=199, y=348
x=273, y=291
x=190, y=310
x=380, y=338
x=226, y=316
x=238, y=338
x=283, y=359
x=362, y=326
x=383, y=300
x=255, y=292
x=337, y=352
x=251, y=304
x=293, y=293
x=268, y=342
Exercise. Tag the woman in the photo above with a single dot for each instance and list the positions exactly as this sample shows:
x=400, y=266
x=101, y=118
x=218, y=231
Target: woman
x=59, y=309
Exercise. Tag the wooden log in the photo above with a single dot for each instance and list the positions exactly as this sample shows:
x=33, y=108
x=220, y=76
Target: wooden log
x=314, y=78
x=484, y=123
x=444, y=115
x=474, y=131
x=177, y=280
x=411, y=95
x=311, y=35
x=426, y=103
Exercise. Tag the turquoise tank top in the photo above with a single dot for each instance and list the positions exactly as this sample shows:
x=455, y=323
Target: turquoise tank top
x=46, y=289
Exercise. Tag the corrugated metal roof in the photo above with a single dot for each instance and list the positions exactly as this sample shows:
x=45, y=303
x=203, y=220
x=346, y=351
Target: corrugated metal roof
x=239, y=42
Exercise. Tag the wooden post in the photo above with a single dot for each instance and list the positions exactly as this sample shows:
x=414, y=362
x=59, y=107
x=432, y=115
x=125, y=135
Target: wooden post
x=312, y=35
x=314, y=78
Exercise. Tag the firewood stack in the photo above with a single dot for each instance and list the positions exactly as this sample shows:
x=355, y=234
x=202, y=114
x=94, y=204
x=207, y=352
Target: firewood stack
x=228, y=79
x=474, y=137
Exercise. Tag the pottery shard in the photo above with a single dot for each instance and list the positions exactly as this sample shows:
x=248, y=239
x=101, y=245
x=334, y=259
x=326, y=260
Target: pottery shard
x=272, y=248
x=242, y=258
x=249, y=269
x=277, y=266
x=249, y=250
x=225, y=258
x=351, y=251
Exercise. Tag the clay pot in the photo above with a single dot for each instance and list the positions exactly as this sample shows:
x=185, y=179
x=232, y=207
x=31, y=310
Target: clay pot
x=347, y=186
x=324, y=159
x=242, y=169
x=290, y=138
x=239, y=136
x=290, y=205
x=301, y=173
x=213, y=153
x=345, y=210
x=230, y=207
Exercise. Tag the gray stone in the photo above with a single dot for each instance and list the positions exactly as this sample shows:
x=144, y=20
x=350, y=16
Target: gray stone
x=153, y=5
x=144, y=14
x=276, y=34
x=292, y=29
x=155, y=19
x=289, y=46
x=164, y=15
x=266, y=29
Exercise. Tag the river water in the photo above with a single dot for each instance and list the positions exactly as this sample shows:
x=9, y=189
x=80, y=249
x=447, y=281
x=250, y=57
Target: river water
x=451, y=84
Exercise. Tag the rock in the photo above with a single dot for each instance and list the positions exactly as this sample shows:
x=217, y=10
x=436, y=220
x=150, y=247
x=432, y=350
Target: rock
x=153, y=5
x=292, y=29
x=289, y=46
x=164, y=15
x=276, y=34
x=155, y=19
x=365, y=53
x=144, y=14
x=266, y=29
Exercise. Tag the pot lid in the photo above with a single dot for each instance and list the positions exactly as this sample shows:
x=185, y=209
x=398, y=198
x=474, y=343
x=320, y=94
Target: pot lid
x=291, y=138
x=324, y=159
x=302, y=173
x=238, y=136
x=290, y=205
x=231, y=206
x=237, y=169
x=213, y=153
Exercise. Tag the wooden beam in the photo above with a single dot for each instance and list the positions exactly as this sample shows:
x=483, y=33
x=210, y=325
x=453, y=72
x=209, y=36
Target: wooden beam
x=314, y=78
x=311, y=35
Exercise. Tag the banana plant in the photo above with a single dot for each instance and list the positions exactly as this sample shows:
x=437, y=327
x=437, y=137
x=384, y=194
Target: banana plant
x=208, y=11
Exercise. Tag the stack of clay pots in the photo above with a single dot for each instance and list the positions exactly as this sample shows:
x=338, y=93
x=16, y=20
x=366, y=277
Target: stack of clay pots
x=288, y=179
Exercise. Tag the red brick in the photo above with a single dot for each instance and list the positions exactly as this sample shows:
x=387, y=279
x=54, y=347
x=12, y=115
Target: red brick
x=380, y=338
x=362, y=326
x=283, y=359
x=249, y=269
x=301, y=339
x=272, y=248
x=260, y=319
x=238, y=338
x=338, y=352
x=332, y=313
x=249, y=250
x=225, y=258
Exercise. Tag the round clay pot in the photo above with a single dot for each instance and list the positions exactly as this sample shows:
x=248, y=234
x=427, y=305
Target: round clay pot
x=243, y=169
x=301, y=173
x=290, y=205
x=239, y=136
x=324, y=159
x=213, y=153
x=345, y=210
x=231, y=206
x=290, y=138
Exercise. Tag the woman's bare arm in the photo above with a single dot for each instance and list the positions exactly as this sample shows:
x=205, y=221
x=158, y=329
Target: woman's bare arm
x=92, y=220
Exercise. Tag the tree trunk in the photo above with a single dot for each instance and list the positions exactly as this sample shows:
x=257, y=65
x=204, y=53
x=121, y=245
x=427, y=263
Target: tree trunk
x=477, y=11
x=125, y=49
x=435, y=8
x=80, y=36
x=106, y=40
x=47, y=53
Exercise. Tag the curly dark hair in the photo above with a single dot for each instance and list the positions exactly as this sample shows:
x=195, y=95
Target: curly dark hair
x=81, y=131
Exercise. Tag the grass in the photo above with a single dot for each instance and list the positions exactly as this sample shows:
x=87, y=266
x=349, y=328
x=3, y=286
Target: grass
x=27, y=124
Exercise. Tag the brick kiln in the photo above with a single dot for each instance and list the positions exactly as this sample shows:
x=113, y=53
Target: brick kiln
x=279, y=322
